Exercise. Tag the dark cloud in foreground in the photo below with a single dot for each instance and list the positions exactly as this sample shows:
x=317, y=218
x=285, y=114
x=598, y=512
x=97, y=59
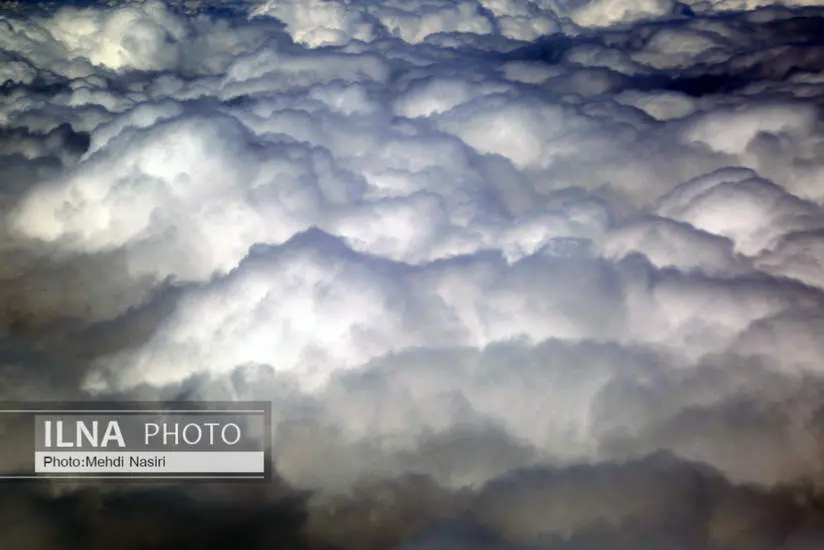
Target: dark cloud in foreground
x=656, y=502
x=513, y=274
x=137, y=518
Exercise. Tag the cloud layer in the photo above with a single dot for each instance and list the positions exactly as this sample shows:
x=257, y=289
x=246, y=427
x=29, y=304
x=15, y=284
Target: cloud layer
x=535, y=273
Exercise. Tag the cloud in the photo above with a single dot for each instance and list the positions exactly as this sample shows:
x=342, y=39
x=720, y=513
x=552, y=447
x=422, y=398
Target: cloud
x=513, y=274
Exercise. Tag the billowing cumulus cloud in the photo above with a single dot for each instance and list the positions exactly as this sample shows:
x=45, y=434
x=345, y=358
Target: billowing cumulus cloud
x=513, y=274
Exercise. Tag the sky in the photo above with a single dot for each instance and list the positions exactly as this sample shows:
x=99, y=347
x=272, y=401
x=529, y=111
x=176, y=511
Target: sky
x=514, y=274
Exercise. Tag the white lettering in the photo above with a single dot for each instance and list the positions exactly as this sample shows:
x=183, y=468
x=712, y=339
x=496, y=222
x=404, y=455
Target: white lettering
x=199, y=434
x=237, y=433
x=85, y=433
x=113, y=432
x=155, y=429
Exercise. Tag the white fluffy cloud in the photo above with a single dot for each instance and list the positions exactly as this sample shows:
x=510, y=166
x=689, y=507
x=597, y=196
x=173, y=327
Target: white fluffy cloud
x=575, y=231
